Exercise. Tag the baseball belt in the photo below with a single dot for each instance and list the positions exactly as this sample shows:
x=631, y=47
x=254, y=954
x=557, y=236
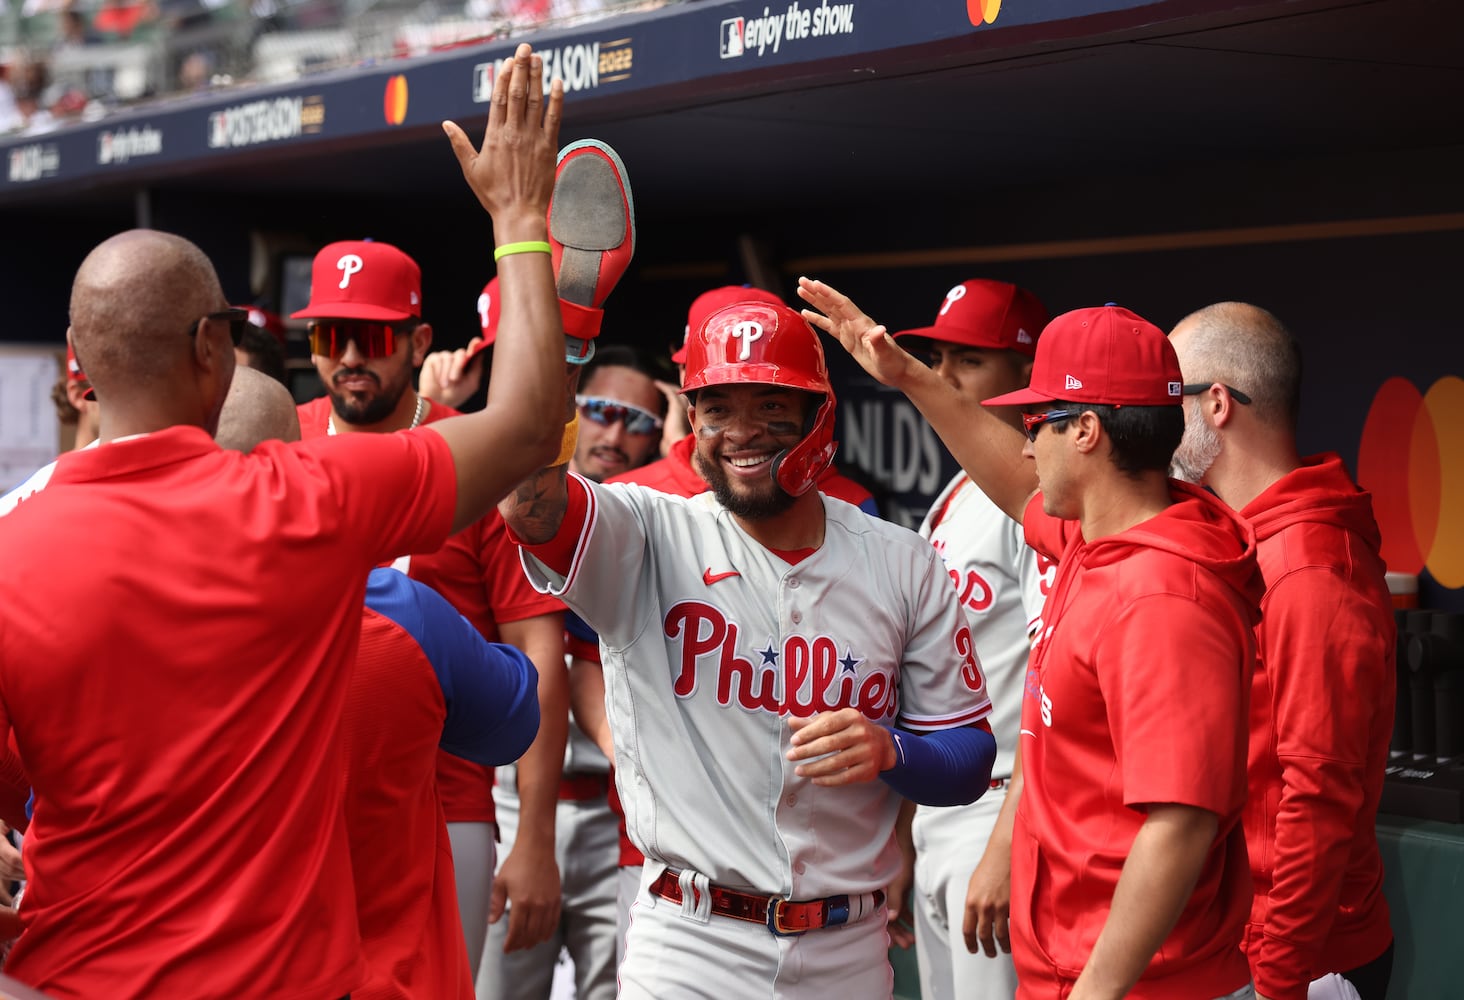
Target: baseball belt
x=784, y=917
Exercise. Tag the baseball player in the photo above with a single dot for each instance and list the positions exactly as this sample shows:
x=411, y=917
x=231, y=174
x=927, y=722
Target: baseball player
x=675, y=474
x=188, y=836
x=1322, y=696
x=620, y=412
x=760, y=641
x=1128, y=859
x=981, y=343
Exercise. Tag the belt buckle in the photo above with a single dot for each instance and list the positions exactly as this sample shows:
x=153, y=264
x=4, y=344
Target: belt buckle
x=776, y=906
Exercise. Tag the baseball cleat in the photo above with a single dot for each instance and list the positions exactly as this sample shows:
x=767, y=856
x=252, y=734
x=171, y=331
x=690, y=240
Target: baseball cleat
x=591, y=223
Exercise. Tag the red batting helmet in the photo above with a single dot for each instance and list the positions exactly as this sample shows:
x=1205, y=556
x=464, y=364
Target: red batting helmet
x=765, y=343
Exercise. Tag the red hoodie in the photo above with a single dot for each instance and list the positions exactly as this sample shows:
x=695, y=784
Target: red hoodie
x=1136, y=694
x=1321, y=716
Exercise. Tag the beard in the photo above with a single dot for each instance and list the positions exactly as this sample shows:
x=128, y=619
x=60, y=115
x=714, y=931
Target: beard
x=767, y=502
x=373, y=409
x=1197, y=451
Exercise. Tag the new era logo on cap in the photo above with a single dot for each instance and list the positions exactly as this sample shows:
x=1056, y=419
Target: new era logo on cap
x=1106, y=355
x=991, y=315
x=362, y=279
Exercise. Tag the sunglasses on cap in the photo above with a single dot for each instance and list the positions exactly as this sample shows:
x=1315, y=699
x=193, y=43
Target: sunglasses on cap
x=237, y=319
x=1032, y=422
x=374, y=339
x=608, y=412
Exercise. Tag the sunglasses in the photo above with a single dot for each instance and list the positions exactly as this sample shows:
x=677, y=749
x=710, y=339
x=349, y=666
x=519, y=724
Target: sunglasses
x=608, y=412
x=1032, y=422
x=237, y=319
x=374, y=339
x=1195, y=388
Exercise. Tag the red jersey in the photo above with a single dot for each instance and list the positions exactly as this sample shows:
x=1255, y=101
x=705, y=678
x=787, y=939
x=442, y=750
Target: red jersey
x=1321, y=717
x=182, y=739
x=423, y=678
x=479, y=573
x=1136, y=695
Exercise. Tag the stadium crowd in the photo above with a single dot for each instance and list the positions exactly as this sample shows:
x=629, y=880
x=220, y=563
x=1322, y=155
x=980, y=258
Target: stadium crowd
x=1112, y=723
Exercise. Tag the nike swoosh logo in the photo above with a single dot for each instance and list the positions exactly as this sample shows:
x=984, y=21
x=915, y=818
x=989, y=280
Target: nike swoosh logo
x=710, y=578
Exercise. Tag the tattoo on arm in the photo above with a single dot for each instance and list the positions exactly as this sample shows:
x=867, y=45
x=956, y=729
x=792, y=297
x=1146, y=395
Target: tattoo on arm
x=537, y=505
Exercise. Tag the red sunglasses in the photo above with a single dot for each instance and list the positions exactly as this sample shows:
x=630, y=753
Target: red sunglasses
x=374, y=339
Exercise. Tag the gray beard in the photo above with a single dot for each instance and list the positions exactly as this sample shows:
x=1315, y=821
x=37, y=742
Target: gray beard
x=1196, y=453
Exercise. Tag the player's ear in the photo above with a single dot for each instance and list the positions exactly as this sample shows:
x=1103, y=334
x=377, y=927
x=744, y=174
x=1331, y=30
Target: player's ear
x=421, y=343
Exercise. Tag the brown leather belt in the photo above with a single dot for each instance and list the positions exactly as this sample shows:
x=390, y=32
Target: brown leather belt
x=583, y=787
x=784, y=917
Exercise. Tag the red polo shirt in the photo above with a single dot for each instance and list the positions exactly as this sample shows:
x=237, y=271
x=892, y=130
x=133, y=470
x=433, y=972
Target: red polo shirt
x=181, y=736
x=479, y=573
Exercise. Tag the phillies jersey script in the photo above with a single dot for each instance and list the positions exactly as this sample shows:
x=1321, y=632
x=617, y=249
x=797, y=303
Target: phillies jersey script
x=709, y=640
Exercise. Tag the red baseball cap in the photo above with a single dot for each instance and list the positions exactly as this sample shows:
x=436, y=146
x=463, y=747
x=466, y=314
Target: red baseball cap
x=718, y=298
x=488, y=307
x=1104, y=355
x=362, y=279
x=990, y=314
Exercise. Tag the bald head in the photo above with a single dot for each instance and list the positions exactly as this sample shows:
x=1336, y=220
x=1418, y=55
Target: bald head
x=133, y=300
x=1247, y=348
x=258, y=408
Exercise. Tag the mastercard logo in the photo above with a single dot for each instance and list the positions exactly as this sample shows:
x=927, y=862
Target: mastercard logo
x=395, y=102
x=982, y=11
x=1412, y=461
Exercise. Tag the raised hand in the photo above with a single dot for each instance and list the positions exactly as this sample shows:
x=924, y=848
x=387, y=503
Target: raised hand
x=513, y=173
x=866, y=341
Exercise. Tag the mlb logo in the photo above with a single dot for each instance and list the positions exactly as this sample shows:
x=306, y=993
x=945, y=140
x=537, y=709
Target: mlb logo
x=732, y=37
x=1175, y=389
x=483, y=83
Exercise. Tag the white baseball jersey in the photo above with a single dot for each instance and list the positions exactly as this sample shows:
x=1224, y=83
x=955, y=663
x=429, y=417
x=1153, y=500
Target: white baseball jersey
x=1001, y=584
x=708, y=640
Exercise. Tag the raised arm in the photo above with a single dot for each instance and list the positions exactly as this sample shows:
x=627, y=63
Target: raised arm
x=520, y=429
x=988, y=448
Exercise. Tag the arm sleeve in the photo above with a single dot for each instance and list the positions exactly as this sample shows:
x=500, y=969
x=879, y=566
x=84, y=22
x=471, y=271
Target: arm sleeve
x=951, y=767
x=1328, y=661
x=490, y=689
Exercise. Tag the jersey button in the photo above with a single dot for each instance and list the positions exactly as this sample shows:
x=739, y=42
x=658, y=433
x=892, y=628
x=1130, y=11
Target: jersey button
x=792, y=800
x=793, y=582
x=800, y=868
x=797, y=617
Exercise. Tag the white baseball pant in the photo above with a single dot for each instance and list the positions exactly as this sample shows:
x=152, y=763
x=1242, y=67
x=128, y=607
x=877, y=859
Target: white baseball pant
x=473, y=864
x=587, y=849
x=948, y=845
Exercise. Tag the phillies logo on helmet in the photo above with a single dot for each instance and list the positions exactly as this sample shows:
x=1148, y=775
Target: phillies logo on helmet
x=747, y=333
x=802, y=677
x=348, y=265
x=952, y=297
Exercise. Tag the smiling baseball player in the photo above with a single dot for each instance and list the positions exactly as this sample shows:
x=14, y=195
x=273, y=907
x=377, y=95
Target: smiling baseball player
x=769, y=653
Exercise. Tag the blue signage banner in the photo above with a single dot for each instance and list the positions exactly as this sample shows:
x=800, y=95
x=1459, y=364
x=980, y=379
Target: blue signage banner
x=675, y=56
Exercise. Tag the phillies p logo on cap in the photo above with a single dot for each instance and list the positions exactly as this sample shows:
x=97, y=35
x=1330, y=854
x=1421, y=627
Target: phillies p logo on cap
x=991, y=315
x=363, y=279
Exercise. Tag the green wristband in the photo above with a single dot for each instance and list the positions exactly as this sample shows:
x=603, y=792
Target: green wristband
x=525, y=246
